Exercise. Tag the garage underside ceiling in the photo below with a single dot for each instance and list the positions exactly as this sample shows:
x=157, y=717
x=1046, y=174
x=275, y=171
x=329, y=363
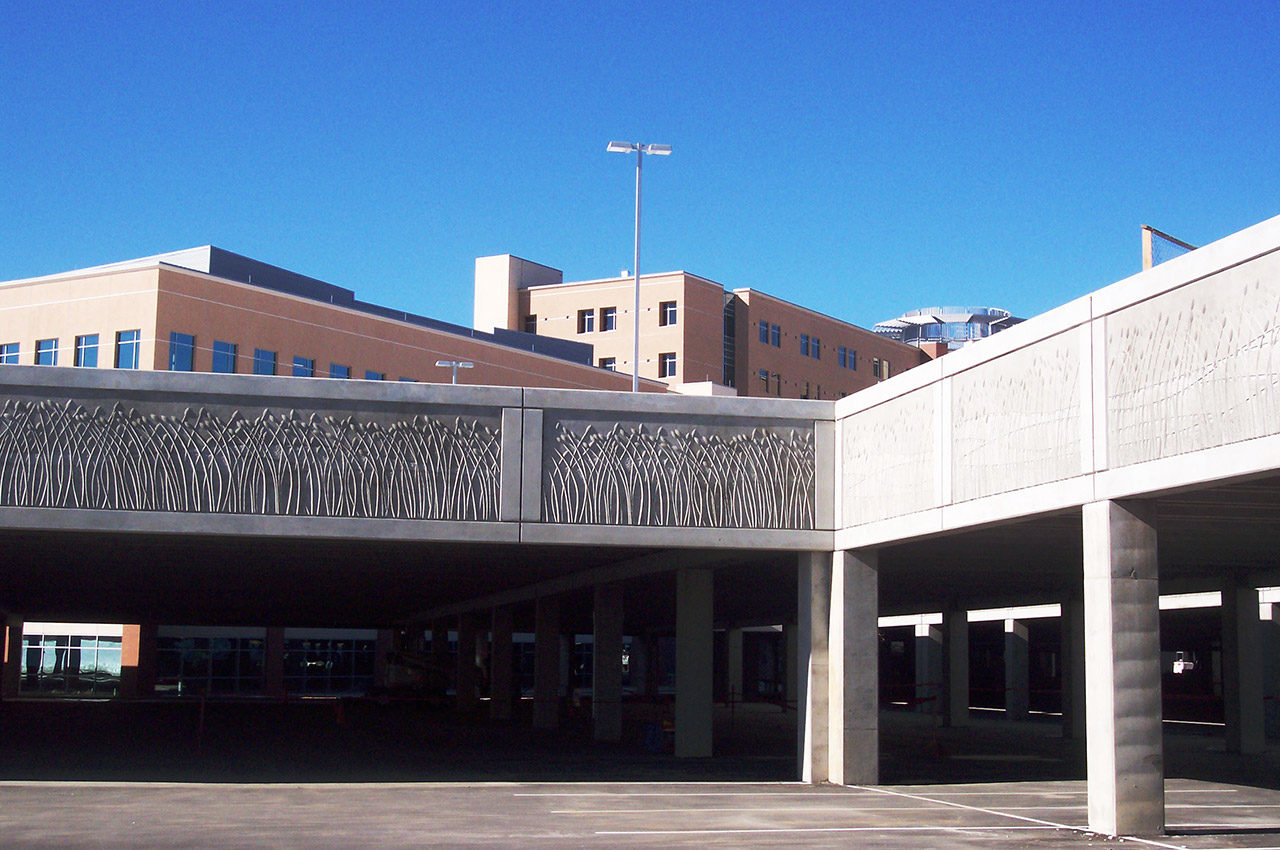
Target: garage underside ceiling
x=182, y=579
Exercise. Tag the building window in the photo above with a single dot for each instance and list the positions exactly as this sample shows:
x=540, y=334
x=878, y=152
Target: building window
x=264, y=362
x=840, y=356
x=764, y=332
x=182, y=352
x=87, y=351
x=586, y=321
x=328, y=665
x=608, y=318
x=531, y=324
x=71, y=663
x=875, y=367
x=804, y=344
x=46, y=352
x=884, y=368
x=337, y=371
x=193, y=665
x=370, y=375
x=775, y=336
x=127, y=345
x=666, y=313
x=405, y=380
x=667, y=365
x=805, y=394
x=224, y=357
x=9, y=354
x=610, y=363
x=816, y=348
x=764, y=378
x=777, y=384
x=303, y=367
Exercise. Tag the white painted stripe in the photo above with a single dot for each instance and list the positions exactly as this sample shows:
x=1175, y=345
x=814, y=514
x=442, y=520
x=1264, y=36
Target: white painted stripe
x=697, y=810
x=829, y=795
x=798, y=829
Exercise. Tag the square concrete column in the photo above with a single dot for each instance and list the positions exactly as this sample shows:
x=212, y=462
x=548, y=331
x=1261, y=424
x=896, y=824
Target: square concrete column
x=813, y=664
x=468, y=674
x=384, y=645
x=1073, y=682
x=694, y=659
x=929, y=674
x=1269, y=626
x=854, y=669
x=11, y=677
x=546, y=663
x=1122, y=669
x=1017, y=671
x=1242, y=669
x=138, y=660
x=791, y=667
x=606, y=663
x=733, y=664
x=955, y=690
x=273, y=663
x=502, y=664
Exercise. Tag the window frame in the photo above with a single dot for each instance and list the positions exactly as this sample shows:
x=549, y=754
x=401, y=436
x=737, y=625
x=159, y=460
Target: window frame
x=668, y=314
x=667, y=364
x=586, y=321
x=85, y=350
x=260, y=356
x=303, y=363
x=610, y=363
x=43, y=349
x=225, y=354
x=182, y=349
x=608, y=319
x=9, y=353
x=128, y=347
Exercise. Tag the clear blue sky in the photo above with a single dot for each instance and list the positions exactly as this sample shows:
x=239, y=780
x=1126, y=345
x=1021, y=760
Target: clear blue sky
x=859, y=158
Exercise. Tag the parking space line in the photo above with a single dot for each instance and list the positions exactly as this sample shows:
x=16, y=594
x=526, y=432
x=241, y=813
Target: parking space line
x=789, y=810
x=798, y=829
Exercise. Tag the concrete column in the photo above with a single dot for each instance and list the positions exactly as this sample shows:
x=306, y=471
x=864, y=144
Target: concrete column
x=853, y=672
x=1122, y=670
x=138, y=660
x=11, y=678
x=1017, y=671
x=1269, y=626
x=640, y=663
x=273, y=663
x=1242, y=669
x=468, y=676
x=955, y=690
x=546, y=663
x=502, y=665
x=792, y=668
x=929, y=673
x=606, y=664
x=694, y=645
x=733, y=664
x=384, y=644
x=813, y=663
x=1073, y=679
x=440, y=675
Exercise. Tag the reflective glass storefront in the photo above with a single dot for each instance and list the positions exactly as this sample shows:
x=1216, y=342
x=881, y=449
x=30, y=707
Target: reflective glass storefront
x=328, y=665
x=58, y=661
x=196, y=665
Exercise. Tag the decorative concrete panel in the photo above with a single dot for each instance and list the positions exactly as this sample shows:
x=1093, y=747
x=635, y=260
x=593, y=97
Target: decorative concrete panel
x=889, y=466
x=1016, y=420
x=64, y=454
x=695, y=473
x=1196, y=367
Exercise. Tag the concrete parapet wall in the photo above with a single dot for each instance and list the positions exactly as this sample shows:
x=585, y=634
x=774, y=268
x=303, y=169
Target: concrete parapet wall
x=1166, y=379
x=153, y=451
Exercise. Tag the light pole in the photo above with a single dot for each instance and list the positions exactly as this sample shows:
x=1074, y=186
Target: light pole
x=456, y=364
x=640, y=150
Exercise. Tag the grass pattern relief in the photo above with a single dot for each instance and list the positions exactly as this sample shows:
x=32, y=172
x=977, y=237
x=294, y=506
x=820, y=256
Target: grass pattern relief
x=64, y=455
x=631, y=474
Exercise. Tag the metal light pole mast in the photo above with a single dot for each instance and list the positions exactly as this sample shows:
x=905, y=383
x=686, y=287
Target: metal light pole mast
x=640, y=150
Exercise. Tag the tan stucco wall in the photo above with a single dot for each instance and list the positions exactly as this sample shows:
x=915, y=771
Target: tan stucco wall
x=698, y=306
x=75, y=305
